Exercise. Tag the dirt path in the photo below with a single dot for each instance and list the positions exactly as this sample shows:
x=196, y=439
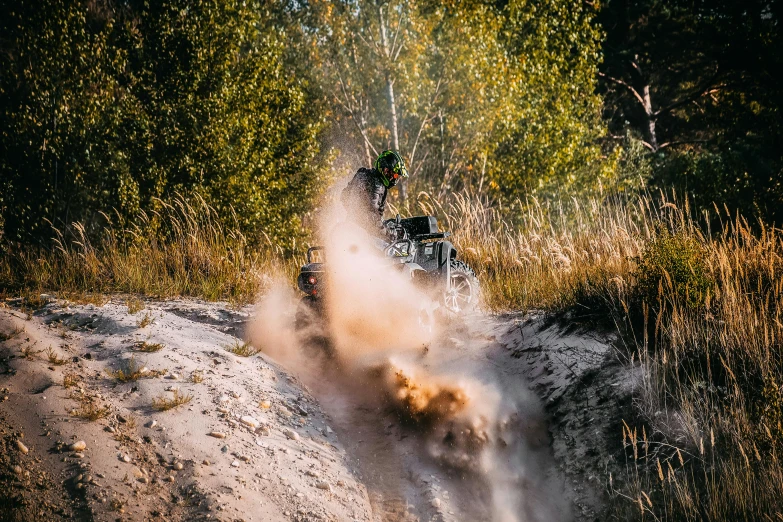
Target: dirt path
x=249, y=444
x=294, y=445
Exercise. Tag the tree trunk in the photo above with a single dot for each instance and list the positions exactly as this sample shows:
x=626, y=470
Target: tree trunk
x=395, y=135
x=392, y=103
x=652, y=139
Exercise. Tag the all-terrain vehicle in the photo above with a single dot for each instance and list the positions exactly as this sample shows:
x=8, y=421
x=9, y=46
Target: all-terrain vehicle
x=422, y=251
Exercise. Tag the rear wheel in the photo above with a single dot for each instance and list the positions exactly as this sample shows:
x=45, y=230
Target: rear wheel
x=311, y=327
x=308, y=313
x=463, y=294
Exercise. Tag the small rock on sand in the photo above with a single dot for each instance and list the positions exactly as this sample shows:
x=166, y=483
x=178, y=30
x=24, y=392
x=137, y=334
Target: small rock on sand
x=178, y=466
x=247, y=420
x=78, y=446
x=235, y=464
x=291, y=434
x=217, y=434
x=18, y=470
x=21, y=447
x=265, y=405
x=126, y=458
x=205, y=462
x=436, y=502
x=324, y=485
x=151, y=424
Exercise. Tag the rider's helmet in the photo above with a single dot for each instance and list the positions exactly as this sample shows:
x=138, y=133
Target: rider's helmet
x=391, y=159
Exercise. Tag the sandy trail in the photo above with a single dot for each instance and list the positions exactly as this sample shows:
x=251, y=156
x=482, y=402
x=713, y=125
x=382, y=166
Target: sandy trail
x=405, y=482
x=326, y=447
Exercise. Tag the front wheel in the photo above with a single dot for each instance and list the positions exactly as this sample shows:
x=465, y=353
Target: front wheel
x=463, y=293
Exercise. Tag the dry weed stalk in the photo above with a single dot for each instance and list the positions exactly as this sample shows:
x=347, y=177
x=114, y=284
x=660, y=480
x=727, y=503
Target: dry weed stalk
x=54, y=358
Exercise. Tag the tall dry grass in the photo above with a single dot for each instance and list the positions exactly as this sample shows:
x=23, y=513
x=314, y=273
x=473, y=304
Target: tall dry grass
x=699, y=310
x=550, y=256
x=181, y=250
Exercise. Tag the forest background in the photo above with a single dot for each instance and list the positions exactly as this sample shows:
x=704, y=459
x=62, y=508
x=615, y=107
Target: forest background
x=109, y=108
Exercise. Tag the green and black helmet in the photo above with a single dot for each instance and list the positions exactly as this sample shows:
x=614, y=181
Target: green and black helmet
x=391, y=159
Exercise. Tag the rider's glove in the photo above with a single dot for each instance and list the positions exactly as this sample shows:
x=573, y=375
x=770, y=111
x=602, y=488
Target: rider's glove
x=387, y=228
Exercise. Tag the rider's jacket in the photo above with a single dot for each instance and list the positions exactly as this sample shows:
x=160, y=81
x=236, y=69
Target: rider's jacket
x=365, y=199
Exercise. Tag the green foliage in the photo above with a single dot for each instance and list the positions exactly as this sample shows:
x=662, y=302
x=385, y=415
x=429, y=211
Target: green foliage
x=734, y=179
x=698, y=82
x=673, y=265
x=494, y=97
x=105, y=107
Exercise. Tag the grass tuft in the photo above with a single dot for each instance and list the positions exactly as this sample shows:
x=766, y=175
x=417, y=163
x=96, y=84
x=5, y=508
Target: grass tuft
x=54, y=358
x=163, y=403
x=147, y=347
x=89, y=410
x=135, y=305
x=70, y=379
x=28, y=353
x=145, y=320
x=10, y=335
x=133, y=370
x=242, y=349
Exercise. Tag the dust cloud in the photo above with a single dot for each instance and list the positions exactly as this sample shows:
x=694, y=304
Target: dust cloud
x=379, y=333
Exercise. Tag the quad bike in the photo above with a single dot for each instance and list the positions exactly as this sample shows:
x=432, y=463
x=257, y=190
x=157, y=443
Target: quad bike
x=418, y=249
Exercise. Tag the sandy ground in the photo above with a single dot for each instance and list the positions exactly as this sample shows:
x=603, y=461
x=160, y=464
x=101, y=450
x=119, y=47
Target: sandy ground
x=259, y=442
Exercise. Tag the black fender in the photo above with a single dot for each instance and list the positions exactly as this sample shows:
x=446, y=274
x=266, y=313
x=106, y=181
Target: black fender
x=446, y=252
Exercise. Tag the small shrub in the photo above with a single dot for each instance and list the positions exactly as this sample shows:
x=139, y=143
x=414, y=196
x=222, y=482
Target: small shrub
x=677, y=261
x=197, y=377
x=163, y=403
x=242, y=349
x=55, y=359
x=148, y=347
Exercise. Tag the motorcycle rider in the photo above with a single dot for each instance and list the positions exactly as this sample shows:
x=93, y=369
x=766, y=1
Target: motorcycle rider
x=365, y=195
